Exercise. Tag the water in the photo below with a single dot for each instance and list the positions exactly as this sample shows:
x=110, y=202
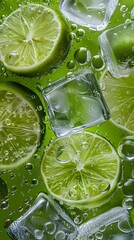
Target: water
x=44, y=220
x=119, y=63
x=92, y=14
x=75, y=103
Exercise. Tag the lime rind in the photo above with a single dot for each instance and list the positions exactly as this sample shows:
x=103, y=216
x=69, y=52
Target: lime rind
x=78, y=176
x=37, y=30
x=20, y=132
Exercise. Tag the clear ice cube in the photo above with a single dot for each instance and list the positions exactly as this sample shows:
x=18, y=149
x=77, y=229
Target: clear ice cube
x=94, y=14
x=117, y=48
x=117, y=215
x=45, y=220
x=74, y=103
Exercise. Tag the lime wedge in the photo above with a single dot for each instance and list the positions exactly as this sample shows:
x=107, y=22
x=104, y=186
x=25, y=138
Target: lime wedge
x=19, y=126
x=119, y=95
x=81, y=170
x=34, y=38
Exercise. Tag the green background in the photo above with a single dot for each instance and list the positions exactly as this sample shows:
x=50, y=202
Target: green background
x=24, y=184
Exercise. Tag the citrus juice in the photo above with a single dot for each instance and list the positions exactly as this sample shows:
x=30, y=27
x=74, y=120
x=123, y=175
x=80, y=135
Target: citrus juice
x=32, y=158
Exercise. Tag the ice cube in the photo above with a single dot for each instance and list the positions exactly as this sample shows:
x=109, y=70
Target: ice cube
x=44, y=220
x=117, y=48
x=117, y=214
x=75, y=102
x=94, y=14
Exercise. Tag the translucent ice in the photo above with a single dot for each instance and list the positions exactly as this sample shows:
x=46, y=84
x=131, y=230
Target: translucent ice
x=45, y=220
x=117, y=47
x=94, y=14
x=75, y=103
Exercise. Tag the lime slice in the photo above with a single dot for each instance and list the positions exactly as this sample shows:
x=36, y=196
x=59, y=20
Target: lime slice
x=81, y=170
x=19, y=126
x=119, y=95
x=33, y=38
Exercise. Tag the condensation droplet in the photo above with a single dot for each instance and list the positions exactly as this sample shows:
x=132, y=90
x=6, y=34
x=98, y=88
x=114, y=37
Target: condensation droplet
x=124, y=225
x=99, y=235
x=29, y=166
x=71, y=64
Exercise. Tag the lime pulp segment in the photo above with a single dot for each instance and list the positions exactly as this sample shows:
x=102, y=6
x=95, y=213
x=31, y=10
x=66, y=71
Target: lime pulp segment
x=81, y=170
x=32, y=39
x=19, y=127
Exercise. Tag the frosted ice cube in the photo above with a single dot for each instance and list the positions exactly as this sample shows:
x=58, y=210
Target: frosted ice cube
x=45, y=220
x=94, y=14
x=75, y=103
x=117, y=48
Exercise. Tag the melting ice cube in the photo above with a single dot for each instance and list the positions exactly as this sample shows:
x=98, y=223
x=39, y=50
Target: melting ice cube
x=94, y=14
x=75, y=103
x=117, y=47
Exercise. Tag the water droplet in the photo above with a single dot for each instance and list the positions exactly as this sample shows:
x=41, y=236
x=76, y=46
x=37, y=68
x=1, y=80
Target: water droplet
x=91, y=237
x=80, y=33
x=4, y=205
x=97, y=62
x=128, y=203
x=73, y=27
x=50, y=228
x=34, y=182
x=126, y=149
x=99, y=235
x=71, y=36
x=124, y=226
x=73, y=193
x=104, y=186
x=39, y=108
x=82, y=55
x=29, y=166
x=8, y=122
x=71, y=64
x=7, y=223
x=128, y=187
x=85, y=145
x=123, y=8
x=38, y=234
x=78, y=220
x=60, y=235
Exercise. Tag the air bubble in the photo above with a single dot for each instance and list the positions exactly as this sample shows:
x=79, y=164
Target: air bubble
x=124, y=226
x=104, y=186
x=80, y=33
x=133, y=173
x=123, y=8
x=85, y=145
x=97, y=62
x=3, y=189
x=128, y=203
x=126, y=149
x=82, y=56
x=60, y=235
x=50, y=228
x=99, y=235
x=128, y=187
x=4, y=205
x=73, y=27
x=34, y=182
x=7, y=223
x=38, y=234
x=71, y=64
x=29, y=166
x=78, y=220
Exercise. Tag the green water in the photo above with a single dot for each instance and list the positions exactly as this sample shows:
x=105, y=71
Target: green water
x=19, y=187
